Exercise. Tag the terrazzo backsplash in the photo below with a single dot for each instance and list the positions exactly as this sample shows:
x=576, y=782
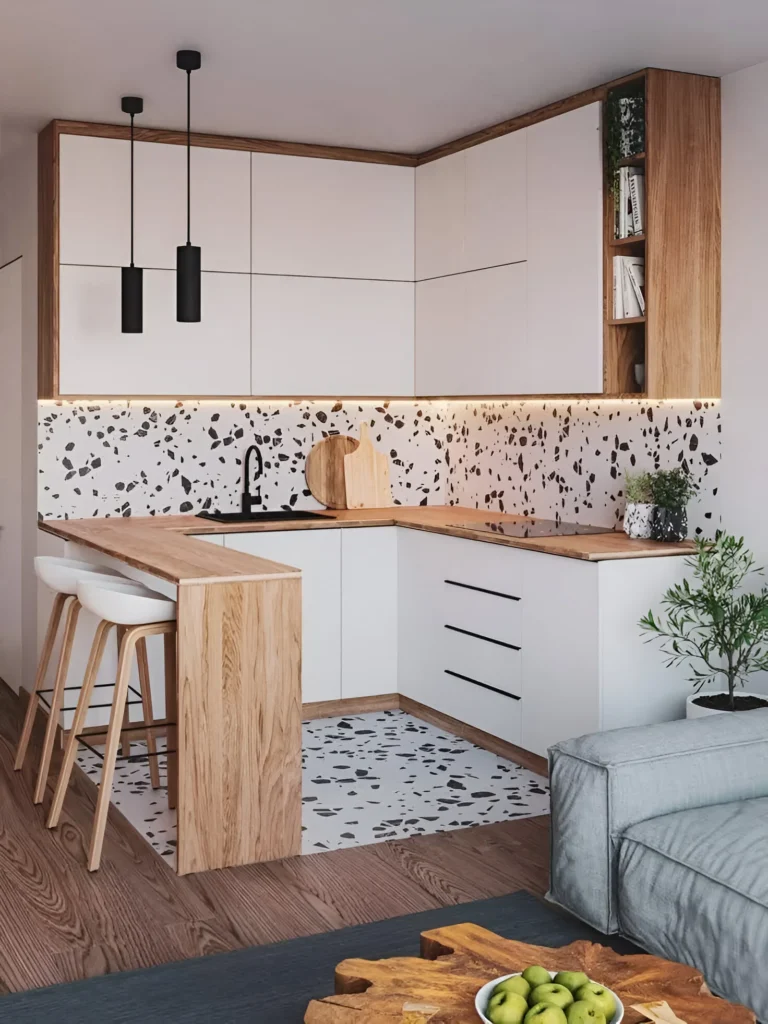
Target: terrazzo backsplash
x=121, y=458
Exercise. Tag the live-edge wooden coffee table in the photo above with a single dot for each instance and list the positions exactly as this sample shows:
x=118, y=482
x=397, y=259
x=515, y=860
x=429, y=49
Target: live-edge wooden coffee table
x=440, y=987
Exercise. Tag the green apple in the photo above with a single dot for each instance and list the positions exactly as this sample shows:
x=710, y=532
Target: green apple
x=557, y=995
x=584, y=1012
x=545, y=1013
x=516, y=984
x=537, y=976
x=600, y=996
x=571, y=979
x=506, y=1008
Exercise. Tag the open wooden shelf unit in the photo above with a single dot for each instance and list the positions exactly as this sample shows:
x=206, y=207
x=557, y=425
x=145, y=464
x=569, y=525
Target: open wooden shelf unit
x=678, y=339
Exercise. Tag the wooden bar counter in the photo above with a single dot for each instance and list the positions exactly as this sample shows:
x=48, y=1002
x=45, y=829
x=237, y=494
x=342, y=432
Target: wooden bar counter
x=238, y=689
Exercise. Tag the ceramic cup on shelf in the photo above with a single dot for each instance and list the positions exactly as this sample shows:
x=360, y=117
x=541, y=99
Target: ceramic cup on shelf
x=638, y=517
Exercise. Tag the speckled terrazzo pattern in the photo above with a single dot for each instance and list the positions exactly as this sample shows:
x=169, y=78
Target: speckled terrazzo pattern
x=124, y=458
x=568, y=458
x=388, y=775
x=145, y=808
x=120, y=458
x=366, y=778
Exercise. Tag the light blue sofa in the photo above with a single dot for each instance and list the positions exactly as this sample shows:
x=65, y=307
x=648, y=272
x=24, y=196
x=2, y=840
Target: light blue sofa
x=661, y=833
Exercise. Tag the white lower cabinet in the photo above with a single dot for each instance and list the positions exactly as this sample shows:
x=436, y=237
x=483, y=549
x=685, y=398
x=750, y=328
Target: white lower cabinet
x=368, y=611
x=349, y=605
x=318, y=554
x=449, y=658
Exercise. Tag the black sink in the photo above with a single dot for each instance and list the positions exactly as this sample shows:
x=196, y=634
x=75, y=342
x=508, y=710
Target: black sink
x=277, y=515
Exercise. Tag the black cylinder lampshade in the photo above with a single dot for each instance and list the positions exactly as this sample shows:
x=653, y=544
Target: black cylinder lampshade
x=188, y=283
x=132, y=300
x=132, y=277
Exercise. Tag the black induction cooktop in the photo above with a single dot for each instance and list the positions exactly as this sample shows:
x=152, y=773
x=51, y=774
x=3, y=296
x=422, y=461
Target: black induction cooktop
x=533, y=528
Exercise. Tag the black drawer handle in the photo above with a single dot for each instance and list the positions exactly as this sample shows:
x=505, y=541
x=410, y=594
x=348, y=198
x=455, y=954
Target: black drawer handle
x=482, y=590
x=485, y=686
x=479, y=636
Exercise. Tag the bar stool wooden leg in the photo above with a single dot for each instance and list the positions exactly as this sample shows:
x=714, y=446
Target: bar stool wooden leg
x=45, y=656
x=126, y=741
x=57, y=700
x=171, y=712
x=83, y=703
x=149, y=715
x=130, y=637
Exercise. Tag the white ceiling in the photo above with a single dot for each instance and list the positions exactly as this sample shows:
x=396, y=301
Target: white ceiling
x=386, y=74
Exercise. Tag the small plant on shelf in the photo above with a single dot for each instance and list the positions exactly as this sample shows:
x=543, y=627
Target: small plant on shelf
x=638, y=514
x=671, y=490
x=624, y=127
x=716, y=624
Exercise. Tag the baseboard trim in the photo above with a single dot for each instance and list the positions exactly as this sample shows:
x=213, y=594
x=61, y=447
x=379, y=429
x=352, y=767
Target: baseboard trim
x=387, y=702
x=349, y=706
x=482, y=739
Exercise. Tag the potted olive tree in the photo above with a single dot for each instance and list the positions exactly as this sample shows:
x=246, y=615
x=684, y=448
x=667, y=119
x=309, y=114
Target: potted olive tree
x=671, y=491
x=717, y=624
x=638, y=515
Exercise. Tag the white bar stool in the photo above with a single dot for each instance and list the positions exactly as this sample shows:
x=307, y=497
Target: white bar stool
x=140, y=613
x=61, y=575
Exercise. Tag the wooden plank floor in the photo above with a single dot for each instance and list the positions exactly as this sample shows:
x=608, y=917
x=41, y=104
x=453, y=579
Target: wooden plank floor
x=60, y=923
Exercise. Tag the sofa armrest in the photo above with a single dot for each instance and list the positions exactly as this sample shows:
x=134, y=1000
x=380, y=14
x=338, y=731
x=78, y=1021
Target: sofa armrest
x=603, y=783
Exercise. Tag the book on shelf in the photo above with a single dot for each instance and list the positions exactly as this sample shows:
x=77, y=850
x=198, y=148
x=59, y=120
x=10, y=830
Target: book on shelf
x=630, y=204
x=628, y=287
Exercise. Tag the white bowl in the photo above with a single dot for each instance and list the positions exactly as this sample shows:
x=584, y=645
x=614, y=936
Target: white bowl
x=483, y=996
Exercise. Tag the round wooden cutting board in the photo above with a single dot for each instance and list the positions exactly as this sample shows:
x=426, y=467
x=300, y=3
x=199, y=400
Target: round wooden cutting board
x=325, y=469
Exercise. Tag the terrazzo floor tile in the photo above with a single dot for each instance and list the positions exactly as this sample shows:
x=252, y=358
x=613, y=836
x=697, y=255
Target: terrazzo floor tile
x=366, y=779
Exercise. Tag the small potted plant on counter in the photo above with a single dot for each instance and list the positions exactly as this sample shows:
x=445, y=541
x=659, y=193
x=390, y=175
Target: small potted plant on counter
x=671, y=490
x=638, y=515
x=717, y=625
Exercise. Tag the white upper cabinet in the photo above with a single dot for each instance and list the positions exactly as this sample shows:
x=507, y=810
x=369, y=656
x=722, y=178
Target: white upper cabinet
x=324, y=336
x=332, y=218
x=471, y=208
x=495, y=202
x=212, y=357
x=565, y=271
x=94, y=201
x=95, y=204
x=471, y=333
x=440, y=188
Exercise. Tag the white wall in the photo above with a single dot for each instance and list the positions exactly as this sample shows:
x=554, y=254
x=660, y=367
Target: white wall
x=18, y=393
x=744, y=473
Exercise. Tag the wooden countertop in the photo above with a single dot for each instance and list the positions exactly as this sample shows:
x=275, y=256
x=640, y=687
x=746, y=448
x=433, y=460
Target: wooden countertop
x=162, y=545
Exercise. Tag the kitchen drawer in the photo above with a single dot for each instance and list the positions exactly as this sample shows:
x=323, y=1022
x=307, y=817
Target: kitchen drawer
x=490, y=613
x=481, y=662
x=489, y=566
x=484, y=709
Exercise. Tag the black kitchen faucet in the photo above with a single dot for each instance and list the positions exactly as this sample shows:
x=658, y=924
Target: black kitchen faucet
x=249, y=499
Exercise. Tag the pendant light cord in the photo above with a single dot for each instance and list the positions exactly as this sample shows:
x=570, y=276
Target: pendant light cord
x=131, y=189
x=189, y=150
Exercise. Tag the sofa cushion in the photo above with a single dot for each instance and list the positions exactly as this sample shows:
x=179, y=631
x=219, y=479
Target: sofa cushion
x=606, y=782
x=693, y=886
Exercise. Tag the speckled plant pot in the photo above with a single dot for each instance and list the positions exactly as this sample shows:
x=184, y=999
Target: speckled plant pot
x=637, y=520
x=669, y=524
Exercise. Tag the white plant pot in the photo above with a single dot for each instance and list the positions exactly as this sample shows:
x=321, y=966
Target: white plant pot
x=697, y=711
x=638, y=517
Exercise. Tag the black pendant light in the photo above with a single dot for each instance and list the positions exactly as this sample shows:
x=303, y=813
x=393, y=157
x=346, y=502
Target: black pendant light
x=132, y=283
x=188, y=256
